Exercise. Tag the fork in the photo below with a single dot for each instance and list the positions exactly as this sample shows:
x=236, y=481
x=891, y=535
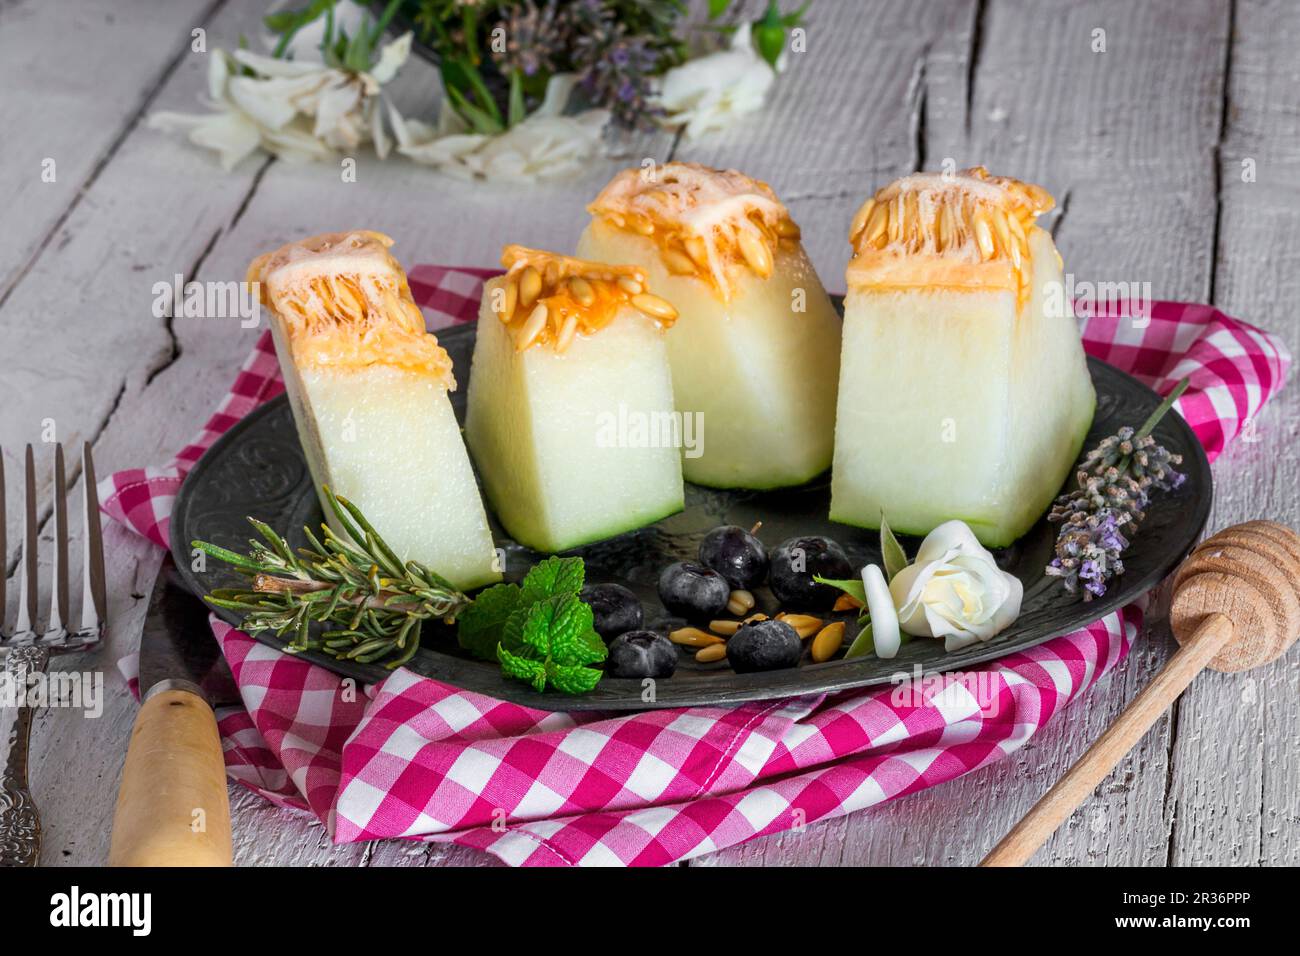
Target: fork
x=27, y=650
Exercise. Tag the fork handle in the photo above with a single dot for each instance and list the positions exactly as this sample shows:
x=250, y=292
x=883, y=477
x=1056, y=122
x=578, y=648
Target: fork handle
x=20, y=825
x=172, y=806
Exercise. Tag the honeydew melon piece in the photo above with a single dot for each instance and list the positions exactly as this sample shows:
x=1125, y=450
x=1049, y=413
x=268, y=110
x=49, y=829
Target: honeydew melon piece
x=755, y=350
x=963, y=398
x=574, y=446
x=761, y=376
x=368, y=389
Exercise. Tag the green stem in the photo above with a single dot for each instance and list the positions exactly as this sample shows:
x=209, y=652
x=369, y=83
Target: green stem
x=1149, y=425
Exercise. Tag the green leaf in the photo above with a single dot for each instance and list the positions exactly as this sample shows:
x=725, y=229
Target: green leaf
x=515, y=113
x=717, y=8
x=480, y=626
x=853, y=587
x=862, y=645
x=769, y=34
x=521, y=668
x=573, y=679
x=893, y=553
x=552, y=577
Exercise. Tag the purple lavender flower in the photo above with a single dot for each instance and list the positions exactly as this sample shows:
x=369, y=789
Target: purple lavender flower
x=1114, y=482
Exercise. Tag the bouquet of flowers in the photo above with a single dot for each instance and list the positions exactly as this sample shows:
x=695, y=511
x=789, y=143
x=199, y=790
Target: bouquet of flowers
x=512, y=73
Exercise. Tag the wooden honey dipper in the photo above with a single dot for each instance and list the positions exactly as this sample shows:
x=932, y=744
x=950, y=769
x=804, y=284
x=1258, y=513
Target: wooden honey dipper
x=1236, y=606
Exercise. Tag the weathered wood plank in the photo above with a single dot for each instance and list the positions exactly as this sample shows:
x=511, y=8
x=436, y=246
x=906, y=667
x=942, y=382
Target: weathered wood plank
x=1235, y=762
x=51, y=55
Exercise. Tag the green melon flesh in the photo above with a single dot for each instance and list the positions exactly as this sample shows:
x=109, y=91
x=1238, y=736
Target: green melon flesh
x=762, y=375
x=953, y=406
x=387, y=439
x=544, y=430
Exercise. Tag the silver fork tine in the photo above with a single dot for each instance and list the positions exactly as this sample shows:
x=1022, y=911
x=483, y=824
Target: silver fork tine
x=59, y=596
x=94, y=604
x=25, y=624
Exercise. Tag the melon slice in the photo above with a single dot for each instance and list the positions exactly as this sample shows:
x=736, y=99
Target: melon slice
x=368, y=388
x=571, y=418
x=755, y=351
x=964, y=392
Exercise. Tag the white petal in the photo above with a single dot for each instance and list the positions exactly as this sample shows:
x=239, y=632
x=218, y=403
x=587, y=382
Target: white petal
x=950, y=536
x=884, y=619
x=391, y=58
x=270, y=66
x=558, y=90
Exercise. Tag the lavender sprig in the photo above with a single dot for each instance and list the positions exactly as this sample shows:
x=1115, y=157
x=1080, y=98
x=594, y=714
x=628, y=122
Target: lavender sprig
x=1099, y=517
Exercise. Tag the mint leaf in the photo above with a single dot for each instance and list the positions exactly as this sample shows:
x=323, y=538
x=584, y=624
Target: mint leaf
x=573, y=679
x=480, y=626
x=894, y=556
x=551, y=577
x=521, y=668
x=552, y=641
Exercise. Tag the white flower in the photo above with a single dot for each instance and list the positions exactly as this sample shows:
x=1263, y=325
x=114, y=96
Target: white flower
x=954, y=590
x=707, y=94
x=546, y=145
x=298, y=110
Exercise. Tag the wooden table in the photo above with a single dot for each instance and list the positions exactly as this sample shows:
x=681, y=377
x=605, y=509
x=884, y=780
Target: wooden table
x=1147, y=147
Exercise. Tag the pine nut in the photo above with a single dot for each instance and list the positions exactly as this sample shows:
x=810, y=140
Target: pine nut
x=726, y=628
x=788, y=229
x=532, y=327
x=654, y=306
x=740, y=602
x=846, y=602
x=694, y=637
x=711, y=654
x=828, y=641
x=805, y=625
x=630, y=285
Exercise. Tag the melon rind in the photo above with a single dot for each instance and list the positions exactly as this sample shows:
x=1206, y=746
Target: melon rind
x=538, y=429
x=762, y=375
x=953, y=406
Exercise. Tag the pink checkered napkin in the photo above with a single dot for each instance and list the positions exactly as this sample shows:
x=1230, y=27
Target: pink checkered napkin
x=413, y=757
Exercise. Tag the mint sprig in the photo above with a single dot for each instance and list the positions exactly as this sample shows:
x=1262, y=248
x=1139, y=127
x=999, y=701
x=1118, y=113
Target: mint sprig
x=540, y=630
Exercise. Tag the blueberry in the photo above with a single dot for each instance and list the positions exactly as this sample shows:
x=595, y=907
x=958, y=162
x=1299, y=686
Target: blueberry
x=615, y=609
x=735, y=554
x=764, y=646
x=693, y=591
x=793, y=565
x=641, y=654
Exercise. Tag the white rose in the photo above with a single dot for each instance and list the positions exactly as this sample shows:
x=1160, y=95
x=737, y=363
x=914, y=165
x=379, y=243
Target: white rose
x=955, y=590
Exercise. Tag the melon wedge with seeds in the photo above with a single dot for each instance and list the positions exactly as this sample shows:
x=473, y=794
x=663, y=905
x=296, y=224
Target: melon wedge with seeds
x=571, y=419
x=964, y=391
x=755, y=350
x=369, y=391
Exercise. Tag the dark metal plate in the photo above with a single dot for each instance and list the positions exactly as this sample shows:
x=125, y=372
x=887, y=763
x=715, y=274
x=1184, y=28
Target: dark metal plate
x=257, y=468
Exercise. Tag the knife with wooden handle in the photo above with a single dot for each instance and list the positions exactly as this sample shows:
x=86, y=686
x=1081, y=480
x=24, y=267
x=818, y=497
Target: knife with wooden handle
x=172, y=806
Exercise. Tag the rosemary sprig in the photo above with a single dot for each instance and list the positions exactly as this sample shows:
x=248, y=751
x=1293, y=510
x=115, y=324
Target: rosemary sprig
x=354, y=582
